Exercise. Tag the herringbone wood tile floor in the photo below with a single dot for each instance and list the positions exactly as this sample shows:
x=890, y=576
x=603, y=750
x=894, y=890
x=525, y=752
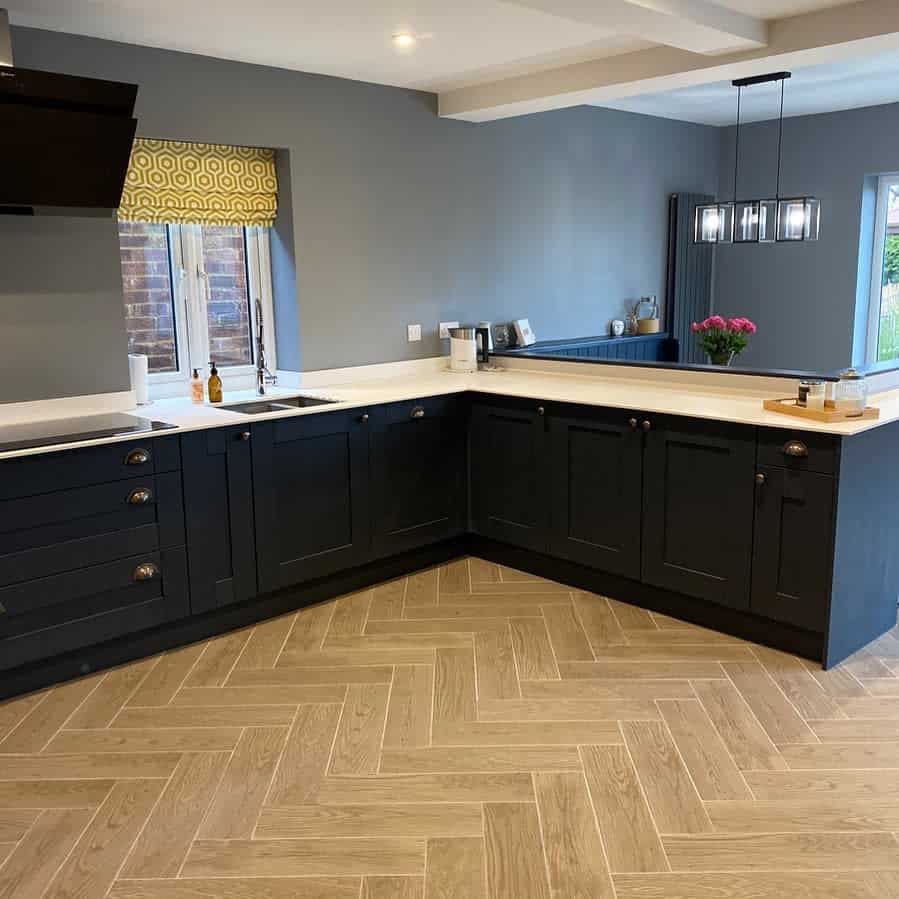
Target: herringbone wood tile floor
x=464, y=732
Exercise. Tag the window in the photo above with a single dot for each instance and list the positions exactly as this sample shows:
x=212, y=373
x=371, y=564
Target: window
x=190, y=297
x=883, y=310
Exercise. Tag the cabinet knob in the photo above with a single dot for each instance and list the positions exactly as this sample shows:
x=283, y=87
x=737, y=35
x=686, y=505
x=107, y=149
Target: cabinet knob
x=796, y=449
x=244, y=435
x=761, y=478
x=138, y=456
x=363, y=417
x=541, y=410
x=417, y=412
x=647, y=425
x=140, y=496
x=633, y=423
x=146, y=571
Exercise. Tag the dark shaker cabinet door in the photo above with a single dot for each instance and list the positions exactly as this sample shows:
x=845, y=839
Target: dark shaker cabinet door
x=418, y=461
x=791, y=562
x=218, y=495
x=597, y=471
x=510, y=474
x=698, y=482
x=310, y=476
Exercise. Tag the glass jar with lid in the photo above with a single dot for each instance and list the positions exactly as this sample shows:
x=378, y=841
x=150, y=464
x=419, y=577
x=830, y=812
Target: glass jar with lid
x=851, y=394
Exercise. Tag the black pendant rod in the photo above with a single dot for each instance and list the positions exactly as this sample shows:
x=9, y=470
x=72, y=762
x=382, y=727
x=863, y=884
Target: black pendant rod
x=737, y=147
x=780, y=138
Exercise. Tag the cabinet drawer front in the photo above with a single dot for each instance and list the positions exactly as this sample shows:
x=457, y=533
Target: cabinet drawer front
x=67, y=469
x=96, y=617
x=798, y=450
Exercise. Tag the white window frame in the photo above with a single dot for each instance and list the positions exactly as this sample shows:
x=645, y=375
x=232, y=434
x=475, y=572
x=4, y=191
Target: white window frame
x=875, y=297
x=189, y=298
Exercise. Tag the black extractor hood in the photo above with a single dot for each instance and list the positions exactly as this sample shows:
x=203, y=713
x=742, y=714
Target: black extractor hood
x=65, y=141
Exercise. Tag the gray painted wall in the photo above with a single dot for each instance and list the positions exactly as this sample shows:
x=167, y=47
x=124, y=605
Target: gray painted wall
x=62, y=321
x=399, y=216
x=803, y=296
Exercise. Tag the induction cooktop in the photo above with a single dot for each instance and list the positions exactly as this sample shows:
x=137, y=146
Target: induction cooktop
x=73, y=430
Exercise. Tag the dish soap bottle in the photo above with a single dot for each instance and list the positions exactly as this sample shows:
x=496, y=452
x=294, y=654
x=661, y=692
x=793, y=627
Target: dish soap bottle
x=215, y=384
x=196, y=388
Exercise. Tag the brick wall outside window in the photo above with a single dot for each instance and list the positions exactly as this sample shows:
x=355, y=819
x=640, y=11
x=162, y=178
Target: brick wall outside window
x=228, y=302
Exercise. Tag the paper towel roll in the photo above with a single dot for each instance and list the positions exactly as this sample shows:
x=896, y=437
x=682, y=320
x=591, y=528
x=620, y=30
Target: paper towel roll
x=140, y=384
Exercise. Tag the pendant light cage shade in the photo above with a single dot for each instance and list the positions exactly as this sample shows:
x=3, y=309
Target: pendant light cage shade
x=798, y=219
x=746, y=221
x=714, y=223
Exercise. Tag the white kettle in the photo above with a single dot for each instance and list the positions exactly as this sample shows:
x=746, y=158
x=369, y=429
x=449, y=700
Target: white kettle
x=468, y=347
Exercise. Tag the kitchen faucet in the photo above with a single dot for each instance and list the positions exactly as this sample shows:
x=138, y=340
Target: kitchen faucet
x=263, y=375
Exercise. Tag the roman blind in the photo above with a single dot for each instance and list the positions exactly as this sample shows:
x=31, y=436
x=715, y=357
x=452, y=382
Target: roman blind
x=176, y=182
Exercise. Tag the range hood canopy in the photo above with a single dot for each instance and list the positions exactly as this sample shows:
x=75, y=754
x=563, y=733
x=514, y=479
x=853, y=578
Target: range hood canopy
x=66, y=139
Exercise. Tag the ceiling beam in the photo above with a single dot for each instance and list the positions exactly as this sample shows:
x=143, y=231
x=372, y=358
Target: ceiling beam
x=699, y=26
x=841, y=32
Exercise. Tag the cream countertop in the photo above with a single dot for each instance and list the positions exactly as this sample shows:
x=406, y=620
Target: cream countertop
x=729, y=398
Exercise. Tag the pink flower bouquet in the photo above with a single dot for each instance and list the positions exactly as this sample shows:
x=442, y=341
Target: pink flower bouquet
x=723, y=338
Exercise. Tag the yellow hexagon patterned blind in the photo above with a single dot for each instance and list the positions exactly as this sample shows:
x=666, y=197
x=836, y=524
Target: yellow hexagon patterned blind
x=176, y=182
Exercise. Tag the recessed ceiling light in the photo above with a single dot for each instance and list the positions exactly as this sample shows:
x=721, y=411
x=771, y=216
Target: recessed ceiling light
x=403, y=40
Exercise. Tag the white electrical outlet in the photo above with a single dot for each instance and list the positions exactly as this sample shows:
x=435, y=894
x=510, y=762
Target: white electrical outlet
x=413, y=333
x=444, y=329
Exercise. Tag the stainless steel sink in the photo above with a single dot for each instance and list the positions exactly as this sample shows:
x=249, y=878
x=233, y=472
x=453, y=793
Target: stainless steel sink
x=275, y=404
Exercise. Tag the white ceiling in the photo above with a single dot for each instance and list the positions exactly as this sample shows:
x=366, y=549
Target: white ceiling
x=848, y=84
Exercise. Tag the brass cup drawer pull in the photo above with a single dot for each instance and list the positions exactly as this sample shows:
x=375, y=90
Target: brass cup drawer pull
x=796, y=449
x=140, y=496
x=138, y=456
x=417, y=412
x=146, y=571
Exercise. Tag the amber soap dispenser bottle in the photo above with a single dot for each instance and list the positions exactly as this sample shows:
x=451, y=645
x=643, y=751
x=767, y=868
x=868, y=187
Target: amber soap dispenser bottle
x=215, y=384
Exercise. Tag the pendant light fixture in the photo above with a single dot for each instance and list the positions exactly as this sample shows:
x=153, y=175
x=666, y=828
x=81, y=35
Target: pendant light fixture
x=781, y=219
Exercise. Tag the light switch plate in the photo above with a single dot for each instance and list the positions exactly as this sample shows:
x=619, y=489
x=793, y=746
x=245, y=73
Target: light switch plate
x=413, y=333
x=444, y=329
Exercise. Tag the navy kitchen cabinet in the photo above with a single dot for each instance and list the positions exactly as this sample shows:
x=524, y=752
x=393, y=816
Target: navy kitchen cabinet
x=311, y=496
x=91, y=547
x=418, y=460
x=218, y=496
x=597, y=481
x=510, y=472
x=698, y=498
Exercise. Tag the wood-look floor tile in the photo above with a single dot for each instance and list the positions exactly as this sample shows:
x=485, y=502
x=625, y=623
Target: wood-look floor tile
x=746, y=740
x=306, y=753
x=265, y=643
x=858, y=730
x=837, y=682
x=238, y=888
x=36, y=859
x=218, y=659
x=628, y=831
x=864, y=664
x=350, y=614
x=311, y=677
x=358, y=657
x=515, y=865
x=568, y=638
x=800, y=757
x=245, y=785
x=823, y=784
x=91, y=866
x=871, y=707
x=206, y=716
x=607, y=689
x=477, y=787
x=176, y=739
x=455, y=700
x=111, y=693
x=450, y=760
x=882, y=686
x=672, y=797
x=268, y=694
x=37, y=728
x=782, y=852
x=758, y=885
x=666, y=652
x=599, y=622
x=410, y=706
x=309, y=629
x=567, y=710
x=12, y=711
x=804, y=815
x=528, y=733
x=421, y=589
x=639, y=670
x=775, y=712
x=163, y=843
x=711, y=766
x=167, y=676
x=689, y=636
x=300, y=858
x=14, y=823
x=483, y=572
x=397, y=642
x=632, y=618
x=392, y=888
x=495, y=663
x=533, y=651
x=433, y=625
x=388, y=600
x=454, y=577
x=54, y=793
x=456, y=868
x=508, y=599
x=797, y=683
x=515, y=576
x=6, y=850
x=575, y=856
x=481, y=617
x=524, y=588
x=371, y=820
x=357, y=745
x=84, y=766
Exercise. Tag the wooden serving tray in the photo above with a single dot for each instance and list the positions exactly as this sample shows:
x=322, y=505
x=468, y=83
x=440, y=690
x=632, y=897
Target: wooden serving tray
x=788, y=406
